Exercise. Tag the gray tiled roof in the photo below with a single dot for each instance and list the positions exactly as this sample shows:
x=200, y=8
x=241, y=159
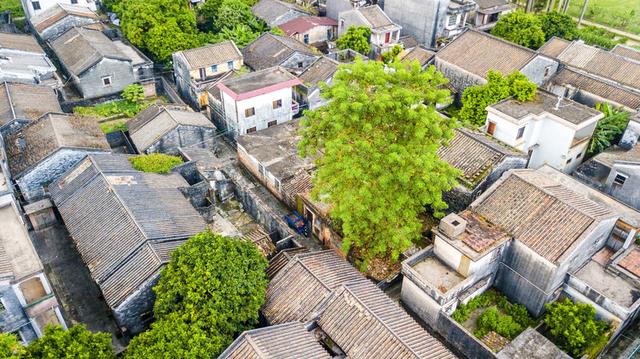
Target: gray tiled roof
x=320, y=71
x=270, y=50
x=475, y=52
x=150, y=125
x=420, y=54
x=540, y=212
x=52, y=15
x=21, y=42
x=124, y=222
x=288, y=340
x=375, y=17
x=212, y=54
x=81, y=48
x=272, y=10
x=554, y=47
x=26, y=101
x=628, y=52
x=567, y=110
x=53, y=131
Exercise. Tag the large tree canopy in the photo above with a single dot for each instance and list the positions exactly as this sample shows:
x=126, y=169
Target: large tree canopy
x=210, y=291
x=378, y=166
x=521, y=28
x=76, y=342
x=475, y=99
x=558, y=25
x=356, y=39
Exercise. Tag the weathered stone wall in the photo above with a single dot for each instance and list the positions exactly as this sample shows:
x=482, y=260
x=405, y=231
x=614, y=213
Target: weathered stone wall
x=184, y=136
x=458, y=78
x=90, y=84
x=631, y=134
x=62, y=26
x=134, y=313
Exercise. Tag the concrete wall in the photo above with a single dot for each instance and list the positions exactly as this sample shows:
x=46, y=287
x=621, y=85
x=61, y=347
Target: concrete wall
x=45, y=4
x=318, y=34
x=335, y=7
x=184, y=136
x=56, y=30
x=424, y=20
x=90, y=83
x=631, y=134
x=629, y=192
x=129, y=313
x=33, y=183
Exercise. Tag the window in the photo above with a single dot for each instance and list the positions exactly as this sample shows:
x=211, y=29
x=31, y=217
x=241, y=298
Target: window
x=35, y=5
x=547, y=70
x=306, y=38
x=106, y=81
x=491, y=128
x=341, y=23
x=230, y=65
x=277, y=104
x=453, y=20
x=579, y=155
x=249, y=112
x=620, y=179
x=300, y=65
x=203, y=74
x=214, y=68
x=251, y=130
x=2, y=306
x=329, y=34
x=272, y=123
x=569, y=160
x=520, y=133
x=276, y=183
x=74, y=2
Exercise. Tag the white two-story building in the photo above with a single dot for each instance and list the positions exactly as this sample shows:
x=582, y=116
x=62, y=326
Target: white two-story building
x=553, y=130
x=254, y=101
x=35, y=7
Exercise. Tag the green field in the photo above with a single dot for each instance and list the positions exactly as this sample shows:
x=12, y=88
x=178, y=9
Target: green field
x=620, y=14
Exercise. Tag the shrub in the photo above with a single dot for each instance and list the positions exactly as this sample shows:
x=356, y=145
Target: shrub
x=493, y=320
x=574, y=326
x=592, y=35
x=522, y=28
x=133, y=94
x=155, y=162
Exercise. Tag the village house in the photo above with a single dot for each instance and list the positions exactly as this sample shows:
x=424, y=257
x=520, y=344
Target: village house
x=481, y=160
x=308, y=93
x=615, y=171
x=196, y=69
x=253, y=101
x=21, y=103
x=27, y=301
x=489, y=12
x=163, y=129
x=271, y=50
x=431, y=22
x=591, y=75
x=351, y=315
x=467, y=60
x=46, y=148
x=276, y=13
x=288, y=340
x=60, y=18
x=23, y=60
x=423, y=56
x=532, y=236
x=35, y=7
x=312, y=30
x=553, y=130
x=99, y=66
x=125, y=224
x=385, y=34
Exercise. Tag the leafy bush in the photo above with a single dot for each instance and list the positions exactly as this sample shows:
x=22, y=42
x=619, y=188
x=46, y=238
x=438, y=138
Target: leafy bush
x=356, y=39
x=609, y=128
x=76, y=342
x=155, y=162
x=110, y=109
x=493, y=320
x=558, y=25
x=391, y=55
x=484, y=300
x=592, y=35
x=522, y=28
x=475, y=99
x=114, y=126
x=133, y=93
x=574, y=326
x=10, y=346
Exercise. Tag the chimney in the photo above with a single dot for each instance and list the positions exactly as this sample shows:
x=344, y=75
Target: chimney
x=452, y=225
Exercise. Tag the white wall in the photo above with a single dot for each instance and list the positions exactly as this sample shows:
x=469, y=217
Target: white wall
x=264, y=111
x=28, y=5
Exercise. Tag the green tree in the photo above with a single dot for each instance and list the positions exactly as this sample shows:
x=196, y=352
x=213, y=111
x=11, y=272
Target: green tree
x=558, y=25
x=609, y=128
x=521, y=28
x=159, y=26
x=211, y=290
x=574, y=326
x=10, y=346
x=356, y=39
x=76, y=342
x=133, y=93
x=378, y=140
x=232, y=13
x=392, y=55
x=475, y=99
x=241, y=35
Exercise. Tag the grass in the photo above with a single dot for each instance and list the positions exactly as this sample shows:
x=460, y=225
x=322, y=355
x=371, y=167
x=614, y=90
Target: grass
x=155, y=162
x=118, y=108
x=113, y=126
x=620, y=14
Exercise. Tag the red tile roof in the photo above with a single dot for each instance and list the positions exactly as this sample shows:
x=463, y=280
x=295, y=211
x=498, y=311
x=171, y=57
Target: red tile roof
x=304, y=24
x=632, y=262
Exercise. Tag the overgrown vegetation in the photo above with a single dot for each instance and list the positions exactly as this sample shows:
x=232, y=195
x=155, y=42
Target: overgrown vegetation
x=609, y=129
x=155, y=162
x=114, y=126
x=356, y=39
x=76, y=342
x=211, y=290
x=521, y=28
x=574, y=327
x=475, y=99
x=500, y=316
x=379, y=167
x=131, y=104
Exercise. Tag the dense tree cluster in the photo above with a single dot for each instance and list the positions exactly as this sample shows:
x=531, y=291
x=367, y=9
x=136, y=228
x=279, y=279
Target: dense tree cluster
x=475, y=99
x=521, y=28
x=356, y=39
x=378, y=139
x=210, y=291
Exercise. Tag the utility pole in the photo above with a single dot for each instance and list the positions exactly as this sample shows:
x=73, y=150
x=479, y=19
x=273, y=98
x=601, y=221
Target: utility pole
x=584, y=8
